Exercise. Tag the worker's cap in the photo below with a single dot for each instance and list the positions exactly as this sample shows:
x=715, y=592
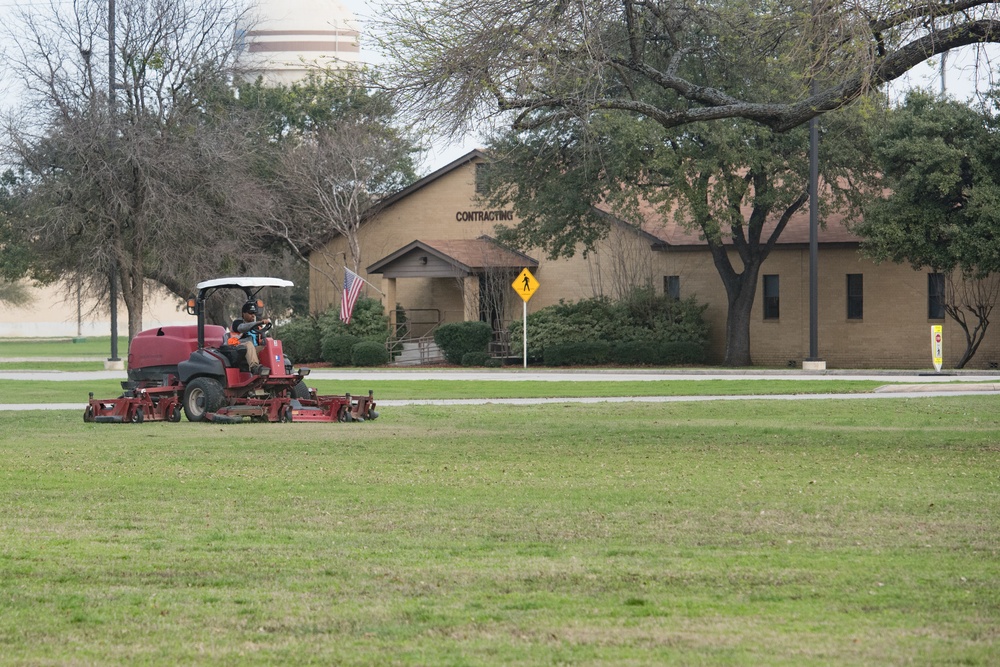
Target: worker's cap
x=250, y=307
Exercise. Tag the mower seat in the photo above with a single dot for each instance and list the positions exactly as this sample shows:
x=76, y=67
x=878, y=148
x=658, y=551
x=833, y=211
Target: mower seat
x=236, y=356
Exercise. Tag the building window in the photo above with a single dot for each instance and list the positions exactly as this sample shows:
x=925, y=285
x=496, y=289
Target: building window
x=672, y=286
x=935, y=296
x=482, y=178
x=770, y=297
x=855, y=296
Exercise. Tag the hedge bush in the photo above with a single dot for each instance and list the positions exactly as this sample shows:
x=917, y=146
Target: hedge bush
x=301, y=339
x=369, y=353
x=675, y=353
x=589, y=353
x=636, y=353
x=457, y=338
x=368, y=321
x=642, y=316
x=477, y=358
x=337, y=349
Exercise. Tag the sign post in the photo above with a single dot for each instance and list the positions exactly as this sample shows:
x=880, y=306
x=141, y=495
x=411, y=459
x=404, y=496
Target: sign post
x=525, y=285
x=937, y=347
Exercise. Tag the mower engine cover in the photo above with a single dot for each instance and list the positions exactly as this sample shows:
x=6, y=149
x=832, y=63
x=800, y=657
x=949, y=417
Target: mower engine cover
x=165, y=347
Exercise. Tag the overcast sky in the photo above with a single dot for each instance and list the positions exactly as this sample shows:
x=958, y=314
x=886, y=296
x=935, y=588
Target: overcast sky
x=442, y=152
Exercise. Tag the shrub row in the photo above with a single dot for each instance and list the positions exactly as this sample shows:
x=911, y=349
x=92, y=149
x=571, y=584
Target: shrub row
x=326, y=338
x=481, y=359
x=630, y=326
x=642, y=329
x=362, y=342
x=457, y=339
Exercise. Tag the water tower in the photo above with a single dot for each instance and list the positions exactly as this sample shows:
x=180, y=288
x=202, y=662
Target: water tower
x=291, y=37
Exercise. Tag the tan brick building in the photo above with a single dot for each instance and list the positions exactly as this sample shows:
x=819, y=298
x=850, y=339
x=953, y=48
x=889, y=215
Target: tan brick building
x=426, y=251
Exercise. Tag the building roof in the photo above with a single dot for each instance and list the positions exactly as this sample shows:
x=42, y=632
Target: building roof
x=482, y=253
x=470, y=256
x=670, y=232
x=383, y=204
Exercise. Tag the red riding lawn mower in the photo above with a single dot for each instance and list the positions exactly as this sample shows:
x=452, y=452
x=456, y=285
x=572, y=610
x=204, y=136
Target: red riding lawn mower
x=171, y=367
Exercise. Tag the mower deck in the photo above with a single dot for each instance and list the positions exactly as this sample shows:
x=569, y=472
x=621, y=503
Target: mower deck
x=163, y=403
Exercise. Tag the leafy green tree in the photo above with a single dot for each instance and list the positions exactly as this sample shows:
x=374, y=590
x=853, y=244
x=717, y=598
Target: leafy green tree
x=737, y=183
x=612, y=123
x=15, y=249
x=940, y=210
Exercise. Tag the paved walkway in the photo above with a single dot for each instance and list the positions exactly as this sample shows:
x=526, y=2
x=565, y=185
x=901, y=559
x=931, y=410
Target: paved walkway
x=900, y=384
x=573, y=375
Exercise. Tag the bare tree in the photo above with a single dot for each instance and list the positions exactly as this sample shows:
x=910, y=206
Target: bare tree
x=488, y=291
x=970, y=302
x=330, y=179
x=338, y=151
x=152, y=181
x=621, y=263
x=460, y=62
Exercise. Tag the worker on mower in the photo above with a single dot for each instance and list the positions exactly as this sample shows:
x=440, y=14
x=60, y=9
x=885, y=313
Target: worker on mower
x=251, y=331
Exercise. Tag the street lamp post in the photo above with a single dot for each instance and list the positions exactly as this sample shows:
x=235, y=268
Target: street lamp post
x=114, y=361
x=814, y=242
x=813, y=362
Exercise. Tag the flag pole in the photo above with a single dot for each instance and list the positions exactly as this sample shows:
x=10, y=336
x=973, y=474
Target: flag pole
x=365, y=281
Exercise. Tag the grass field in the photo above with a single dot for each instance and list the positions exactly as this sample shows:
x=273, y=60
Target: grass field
x=99, y=347
x=778, y=533
x=61, y=391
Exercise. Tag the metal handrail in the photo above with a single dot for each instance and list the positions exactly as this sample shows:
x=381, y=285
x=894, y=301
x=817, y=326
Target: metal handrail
x=403, y=331
x=428, y=350
x=499, y=345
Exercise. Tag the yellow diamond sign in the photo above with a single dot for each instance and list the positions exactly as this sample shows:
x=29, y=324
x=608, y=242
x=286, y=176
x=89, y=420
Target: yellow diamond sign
x=525, y=285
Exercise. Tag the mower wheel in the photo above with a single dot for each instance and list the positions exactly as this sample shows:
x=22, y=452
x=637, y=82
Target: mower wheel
x=301, y=390
x=203, y=395
x=88, y=414
x=137, y=416
x=286, y=415
x=175, y=414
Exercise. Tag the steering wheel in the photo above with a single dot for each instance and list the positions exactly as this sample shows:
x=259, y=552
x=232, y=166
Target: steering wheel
x=263, y=329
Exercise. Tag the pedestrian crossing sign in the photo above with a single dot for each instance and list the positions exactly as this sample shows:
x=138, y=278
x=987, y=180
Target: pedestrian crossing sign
x=525, y=285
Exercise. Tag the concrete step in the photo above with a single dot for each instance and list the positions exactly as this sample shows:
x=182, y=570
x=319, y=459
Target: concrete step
x=417, y=353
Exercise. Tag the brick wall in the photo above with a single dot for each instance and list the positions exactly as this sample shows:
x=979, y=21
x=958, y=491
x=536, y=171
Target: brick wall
x=894, y=332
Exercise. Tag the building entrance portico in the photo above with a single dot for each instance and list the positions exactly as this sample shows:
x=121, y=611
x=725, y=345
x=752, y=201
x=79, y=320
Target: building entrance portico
x=449, y=281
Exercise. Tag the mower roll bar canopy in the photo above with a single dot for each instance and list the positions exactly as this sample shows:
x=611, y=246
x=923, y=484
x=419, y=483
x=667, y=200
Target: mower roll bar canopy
x=244, y=283
x=251, y=286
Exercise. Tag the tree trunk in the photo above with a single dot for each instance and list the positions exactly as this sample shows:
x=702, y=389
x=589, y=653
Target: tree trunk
x=738, y=322
x=973, y=337
x=977, y=296
x=741, y=289
x=131, y=287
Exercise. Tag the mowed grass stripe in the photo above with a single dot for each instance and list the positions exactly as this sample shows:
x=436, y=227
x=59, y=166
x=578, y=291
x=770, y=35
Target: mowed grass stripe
x=53, y=391
x=837, y=532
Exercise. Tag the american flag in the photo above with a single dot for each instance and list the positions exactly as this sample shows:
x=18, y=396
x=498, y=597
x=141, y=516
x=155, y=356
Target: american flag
x=352, y=288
